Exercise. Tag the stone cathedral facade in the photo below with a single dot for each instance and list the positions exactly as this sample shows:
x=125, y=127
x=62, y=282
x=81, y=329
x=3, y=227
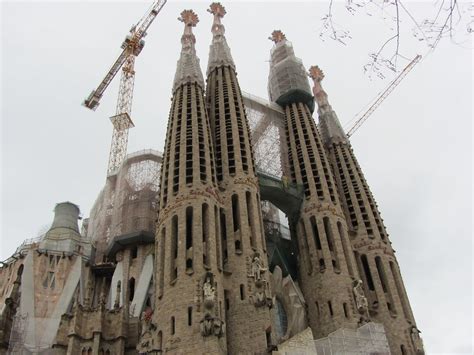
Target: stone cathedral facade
x=184, y=253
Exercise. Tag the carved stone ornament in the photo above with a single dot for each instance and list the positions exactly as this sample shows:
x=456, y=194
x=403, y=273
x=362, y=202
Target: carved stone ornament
x=360, y=299
x=257, y=269
x=148, y=341
x=416, y=340
x=209, y=291
x=210, y=325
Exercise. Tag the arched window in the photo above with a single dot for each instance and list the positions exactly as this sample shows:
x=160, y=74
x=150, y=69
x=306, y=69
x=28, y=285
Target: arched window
x=160, y=340
x=131, y=289
x=403, y=350
x=315, y=232
x=330, y=308
x=189, y=239
x=174, y=248
x=368, y=275
x=205, y=222
x=280, y=320
x=190, y=315
x=134, y=252
x=346, y=311
x=235, y=212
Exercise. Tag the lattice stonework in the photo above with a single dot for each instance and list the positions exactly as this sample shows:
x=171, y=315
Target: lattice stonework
x=266, y=123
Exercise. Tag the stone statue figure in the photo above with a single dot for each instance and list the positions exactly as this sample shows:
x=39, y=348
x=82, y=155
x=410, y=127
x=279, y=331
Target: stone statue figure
x=209, y=291
x=257, y=267
x=416, y=339
x=361, y=300
x=206, y=325
x=146, y=321
x=219, y=327
x=210, y=325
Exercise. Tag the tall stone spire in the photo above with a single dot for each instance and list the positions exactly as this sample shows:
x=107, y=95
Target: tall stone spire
x=190, y=291
x=330, y=126
x=242, y=241
x=381, y=281
x=326, y=263
x=188, y=68
x=219, y=51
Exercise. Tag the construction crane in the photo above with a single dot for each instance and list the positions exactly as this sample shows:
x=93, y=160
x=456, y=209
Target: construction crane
x=383, y=96
x=132, y=46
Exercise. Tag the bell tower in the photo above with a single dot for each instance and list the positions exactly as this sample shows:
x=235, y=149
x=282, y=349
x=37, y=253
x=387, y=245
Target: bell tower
x=189, y=285
x=327, y=267
x=243, y=259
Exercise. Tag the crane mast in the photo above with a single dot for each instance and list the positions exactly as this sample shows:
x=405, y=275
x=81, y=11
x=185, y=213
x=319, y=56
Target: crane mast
x=383, y=96
x=122, y=121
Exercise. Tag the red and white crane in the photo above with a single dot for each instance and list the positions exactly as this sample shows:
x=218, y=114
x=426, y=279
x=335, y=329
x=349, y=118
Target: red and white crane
x=132, y=46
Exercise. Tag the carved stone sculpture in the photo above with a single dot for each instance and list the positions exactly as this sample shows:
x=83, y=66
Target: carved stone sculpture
x=416, y=340
x=361, y=300
x=209, y=291
x=148, y=341
x=257, y=268
x=210, y=325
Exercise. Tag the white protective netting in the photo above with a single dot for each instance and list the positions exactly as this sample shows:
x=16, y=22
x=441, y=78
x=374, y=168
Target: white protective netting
x=287, y=72
x=128, y=202
x=368, y=339
x=267, y=127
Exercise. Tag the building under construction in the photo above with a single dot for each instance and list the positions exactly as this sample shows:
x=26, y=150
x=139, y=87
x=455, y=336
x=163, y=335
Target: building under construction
x=188, y=251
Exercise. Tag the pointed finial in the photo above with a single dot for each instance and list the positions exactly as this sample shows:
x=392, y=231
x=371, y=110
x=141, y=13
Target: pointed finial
x=320, y=95
x=277, y=36
x=189, y=18
x=217, y=9
x=316, y=73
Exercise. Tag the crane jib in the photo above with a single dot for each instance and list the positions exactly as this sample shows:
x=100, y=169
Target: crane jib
x=93, y=99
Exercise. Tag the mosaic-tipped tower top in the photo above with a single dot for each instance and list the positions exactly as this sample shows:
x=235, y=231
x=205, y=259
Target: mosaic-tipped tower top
x=330, y=125
x=188, y=69
x=219, y=51
x=287, y=81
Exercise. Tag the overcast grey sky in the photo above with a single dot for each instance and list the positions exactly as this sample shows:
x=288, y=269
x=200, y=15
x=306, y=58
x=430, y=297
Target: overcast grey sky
x=415, y=150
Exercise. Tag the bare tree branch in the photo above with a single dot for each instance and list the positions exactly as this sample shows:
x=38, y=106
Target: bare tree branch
x=448, y=19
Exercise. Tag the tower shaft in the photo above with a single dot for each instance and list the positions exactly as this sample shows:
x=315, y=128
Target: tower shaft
x=326, y=264
x=189, y=290
x=244, y=259
x=376, y=262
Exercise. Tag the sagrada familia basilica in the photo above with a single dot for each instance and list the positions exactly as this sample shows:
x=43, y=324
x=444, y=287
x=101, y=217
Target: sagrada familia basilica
x=185, y=252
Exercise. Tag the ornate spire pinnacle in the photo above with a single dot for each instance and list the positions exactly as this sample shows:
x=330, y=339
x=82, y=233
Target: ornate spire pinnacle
x=277, y=36
x=331, y=127
x=188, y=69
x=219, y=12
x=219, y=51
x=320, y=95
